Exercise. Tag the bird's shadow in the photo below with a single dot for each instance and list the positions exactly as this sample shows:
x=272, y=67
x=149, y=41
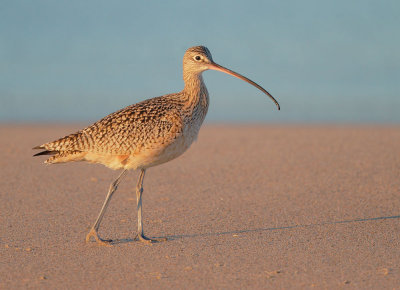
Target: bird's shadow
x=175, y=237
x=122, y=241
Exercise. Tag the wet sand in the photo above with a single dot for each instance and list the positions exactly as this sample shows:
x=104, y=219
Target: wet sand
x=247, y=206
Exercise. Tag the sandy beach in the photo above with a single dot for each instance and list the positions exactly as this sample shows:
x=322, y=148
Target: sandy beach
x=247, y=206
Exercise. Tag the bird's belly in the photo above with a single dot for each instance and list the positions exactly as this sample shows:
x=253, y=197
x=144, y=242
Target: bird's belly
x=150, y=154
x=143, y=159
x=161, y=154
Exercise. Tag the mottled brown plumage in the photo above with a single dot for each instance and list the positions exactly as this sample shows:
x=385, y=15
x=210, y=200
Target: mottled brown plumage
x=150, y=127
x=145, y=134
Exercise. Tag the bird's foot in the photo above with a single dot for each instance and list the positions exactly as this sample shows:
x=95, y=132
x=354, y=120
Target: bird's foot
x=93, y=233
x=144, y=239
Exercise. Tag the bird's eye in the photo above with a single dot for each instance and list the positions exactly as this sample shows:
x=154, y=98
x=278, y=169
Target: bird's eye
x=197, y=57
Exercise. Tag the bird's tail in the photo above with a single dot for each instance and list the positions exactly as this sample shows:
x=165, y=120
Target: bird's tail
x=45, y=152
x=60, y=156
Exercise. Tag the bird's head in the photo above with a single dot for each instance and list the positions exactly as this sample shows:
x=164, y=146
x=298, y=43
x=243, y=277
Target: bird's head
x=198, y=59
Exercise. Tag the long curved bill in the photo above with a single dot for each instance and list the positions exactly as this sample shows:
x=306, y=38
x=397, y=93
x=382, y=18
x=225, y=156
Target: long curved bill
x=220, y=68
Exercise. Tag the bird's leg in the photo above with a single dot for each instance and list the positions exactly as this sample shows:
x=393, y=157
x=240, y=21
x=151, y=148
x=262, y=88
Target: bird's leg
x=94, y=230
x=139, y=191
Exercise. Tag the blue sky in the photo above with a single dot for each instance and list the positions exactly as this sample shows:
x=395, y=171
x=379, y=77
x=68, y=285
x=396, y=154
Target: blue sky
x=324, y=61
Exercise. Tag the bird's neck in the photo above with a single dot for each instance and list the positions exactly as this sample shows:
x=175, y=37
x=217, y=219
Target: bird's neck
x=195, y=91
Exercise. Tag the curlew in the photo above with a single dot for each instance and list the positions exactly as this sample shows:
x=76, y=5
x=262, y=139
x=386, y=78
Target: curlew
x=145, y=134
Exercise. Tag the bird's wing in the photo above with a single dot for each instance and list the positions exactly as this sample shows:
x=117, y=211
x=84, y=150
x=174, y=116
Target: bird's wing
x=150, y=123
